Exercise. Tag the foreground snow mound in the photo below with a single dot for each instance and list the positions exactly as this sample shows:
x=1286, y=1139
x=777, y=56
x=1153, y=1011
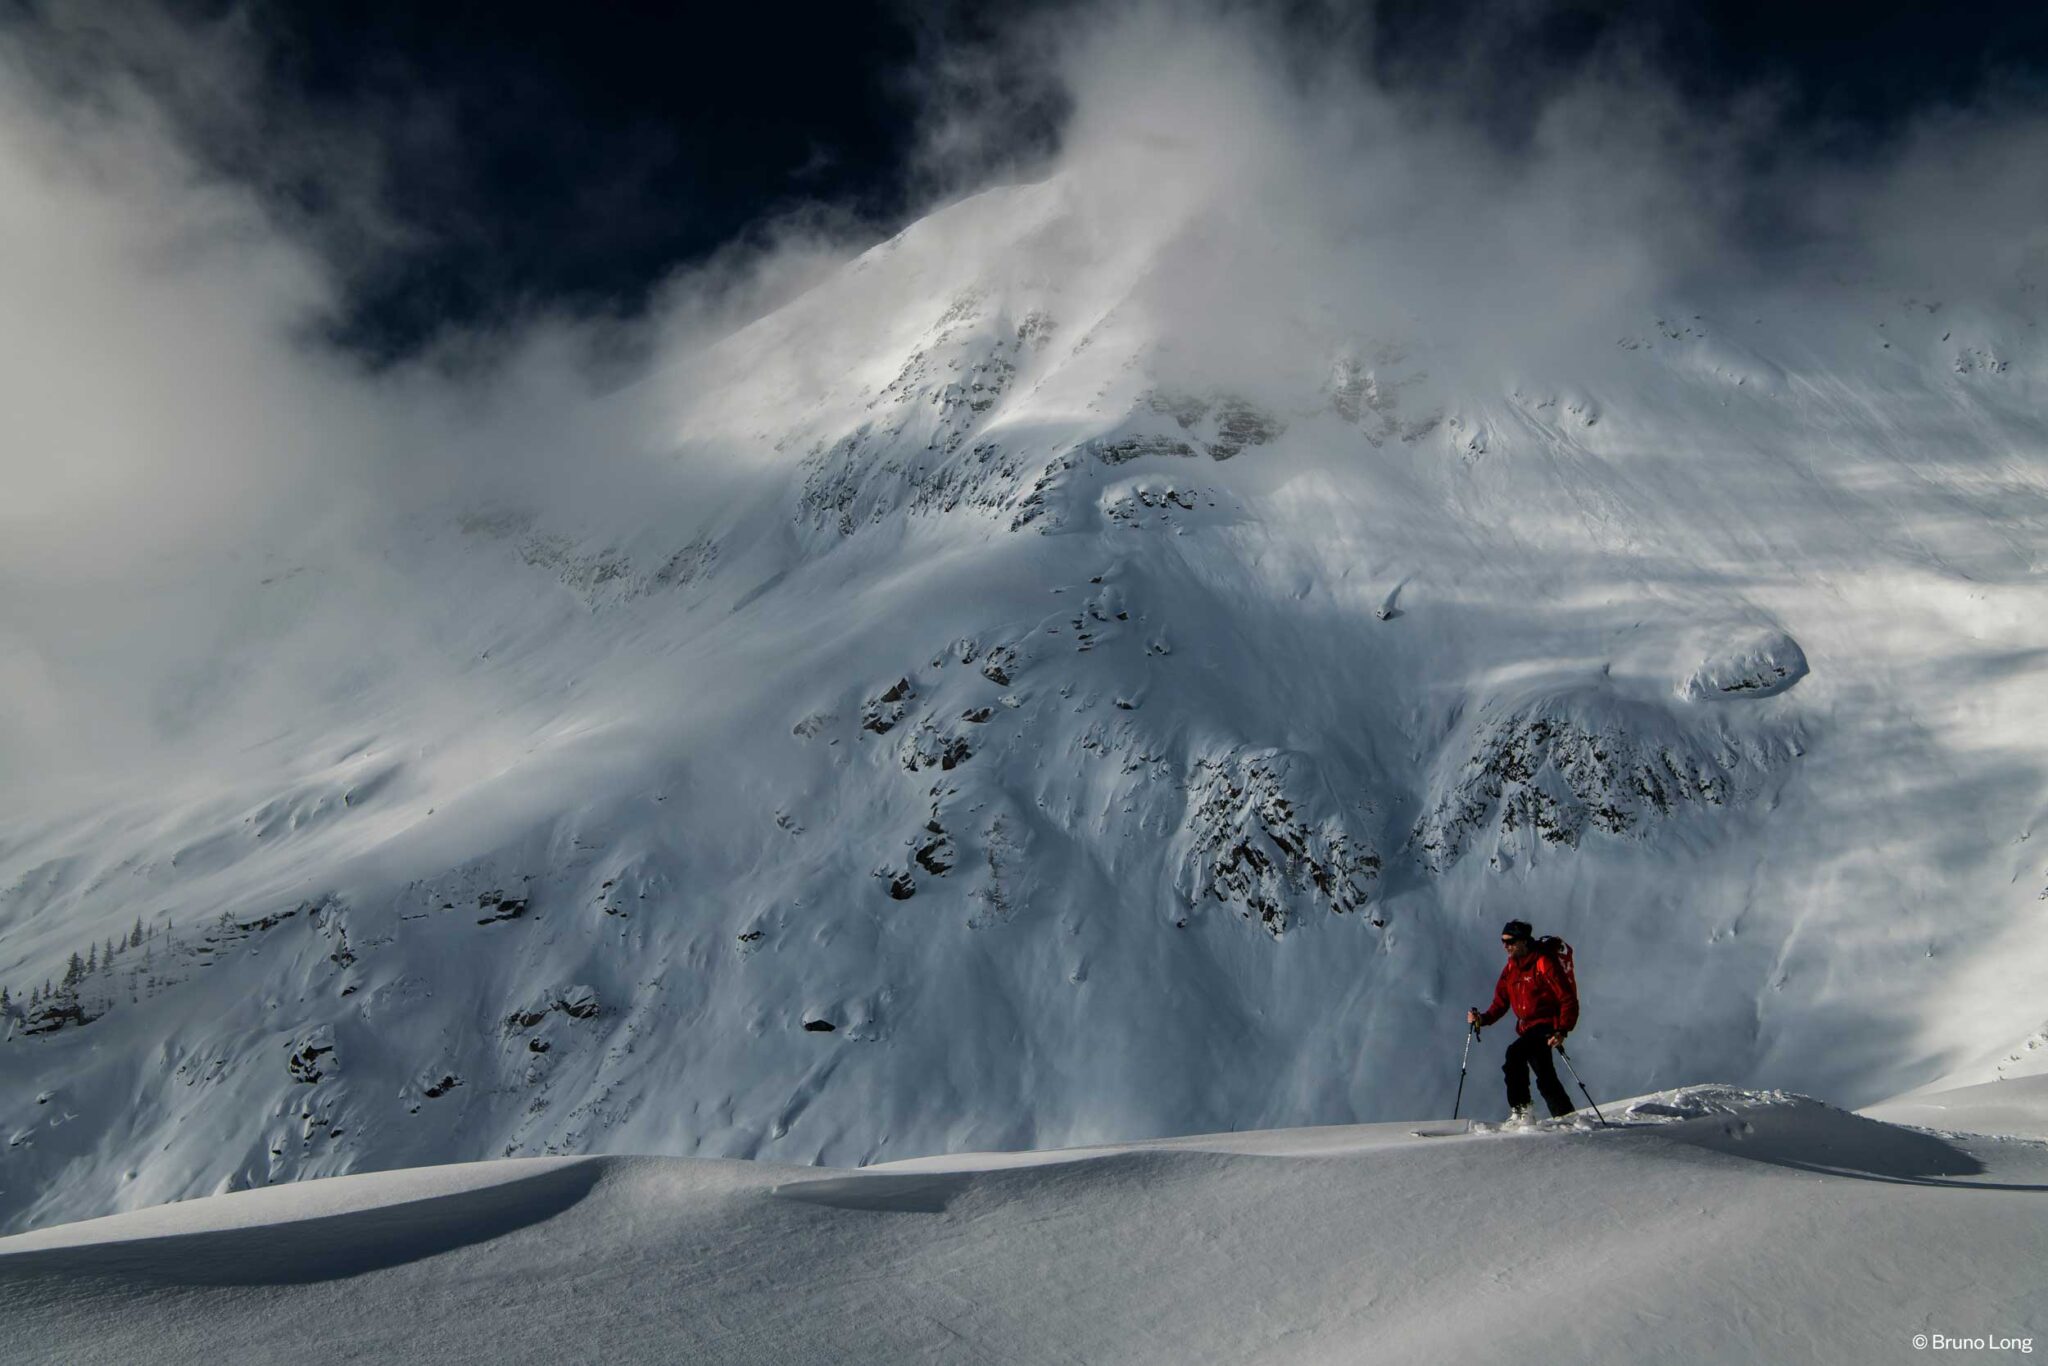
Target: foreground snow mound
x=1795, y=1131
x=1710, y=1224
x=392, y=1206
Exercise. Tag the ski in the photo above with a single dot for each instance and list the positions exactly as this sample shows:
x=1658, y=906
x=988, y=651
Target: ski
x=1462, y=1126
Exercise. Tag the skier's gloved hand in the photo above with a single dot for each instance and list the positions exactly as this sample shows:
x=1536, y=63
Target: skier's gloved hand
x=1472, y=1015
x=1557, y=1041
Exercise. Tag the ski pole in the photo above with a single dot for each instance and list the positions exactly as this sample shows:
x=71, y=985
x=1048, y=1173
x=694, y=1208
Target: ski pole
x=1582, y=1086
x=1471, y=1033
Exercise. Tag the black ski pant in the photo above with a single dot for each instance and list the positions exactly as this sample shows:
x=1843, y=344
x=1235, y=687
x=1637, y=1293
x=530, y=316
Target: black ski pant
x=1530, y=1053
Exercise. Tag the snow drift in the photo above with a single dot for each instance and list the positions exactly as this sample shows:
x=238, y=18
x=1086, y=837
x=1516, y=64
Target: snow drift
x=1717, y=1225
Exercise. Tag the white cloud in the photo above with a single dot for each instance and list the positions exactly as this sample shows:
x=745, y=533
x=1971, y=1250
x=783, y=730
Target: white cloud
x=175, y=425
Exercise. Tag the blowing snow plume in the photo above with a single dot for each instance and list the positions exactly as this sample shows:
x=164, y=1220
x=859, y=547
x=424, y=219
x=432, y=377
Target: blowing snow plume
x=1095, y=664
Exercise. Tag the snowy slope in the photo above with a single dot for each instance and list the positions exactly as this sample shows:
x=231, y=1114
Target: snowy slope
x=2016, y=1107
x=1722, y=1226
x=1003, y=718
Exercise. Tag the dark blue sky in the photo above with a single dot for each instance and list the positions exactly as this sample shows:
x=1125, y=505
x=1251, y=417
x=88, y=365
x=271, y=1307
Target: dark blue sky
x=549, y=154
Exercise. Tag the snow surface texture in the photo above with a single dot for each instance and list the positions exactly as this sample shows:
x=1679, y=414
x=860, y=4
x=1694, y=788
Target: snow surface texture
x=1009, y=733
x=2018, y=1108
x=1717, y=1225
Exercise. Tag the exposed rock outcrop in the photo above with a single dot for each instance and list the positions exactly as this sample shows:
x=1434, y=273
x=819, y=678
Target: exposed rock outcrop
x=1250, y=843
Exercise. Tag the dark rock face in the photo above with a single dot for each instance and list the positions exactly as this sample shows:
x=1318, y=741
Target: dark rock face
x=435, y=1090
x=819, y=1026
x=1252, y=849
x=1546, y=778
x=1239, y=425
x=935, y=856
x=500, y=907
x=687, y=565
x=1227, y=423
x=1185, y=409
x=47, y=1017
x=1000, y=666
x=902, y=887
x=578, y=1003
x=927, y=748
x=881, y=714
x=913, y=452
x=1366, y=391
x=1763, y=682
x=1124, y=449
x=1150, y=505
x=312, y=1057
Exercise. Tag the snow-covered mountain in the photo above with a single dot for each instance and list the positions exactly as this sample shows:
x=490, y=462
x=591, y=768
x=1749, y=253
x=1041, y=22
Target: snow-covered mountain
x=1010, y=716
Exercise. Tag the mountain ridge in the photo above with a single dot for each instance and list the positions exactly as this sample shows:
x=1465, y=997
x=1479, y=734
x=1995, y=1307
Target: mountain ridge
x=1104, y=746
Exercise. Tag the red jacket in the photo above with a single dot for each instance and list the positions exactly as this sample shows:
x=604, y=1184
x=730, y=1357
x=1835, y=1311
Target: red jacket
x=1539, y=991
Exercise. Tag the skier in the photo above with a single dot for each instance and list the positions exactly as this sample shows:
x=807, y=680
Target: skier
x=1546, y=1003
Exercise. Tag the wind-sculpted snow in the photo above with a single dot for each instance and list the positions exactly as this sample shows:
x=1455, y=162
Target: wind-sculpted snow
x=998, y=727
x=1709, y=1223
x=1757, y=663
